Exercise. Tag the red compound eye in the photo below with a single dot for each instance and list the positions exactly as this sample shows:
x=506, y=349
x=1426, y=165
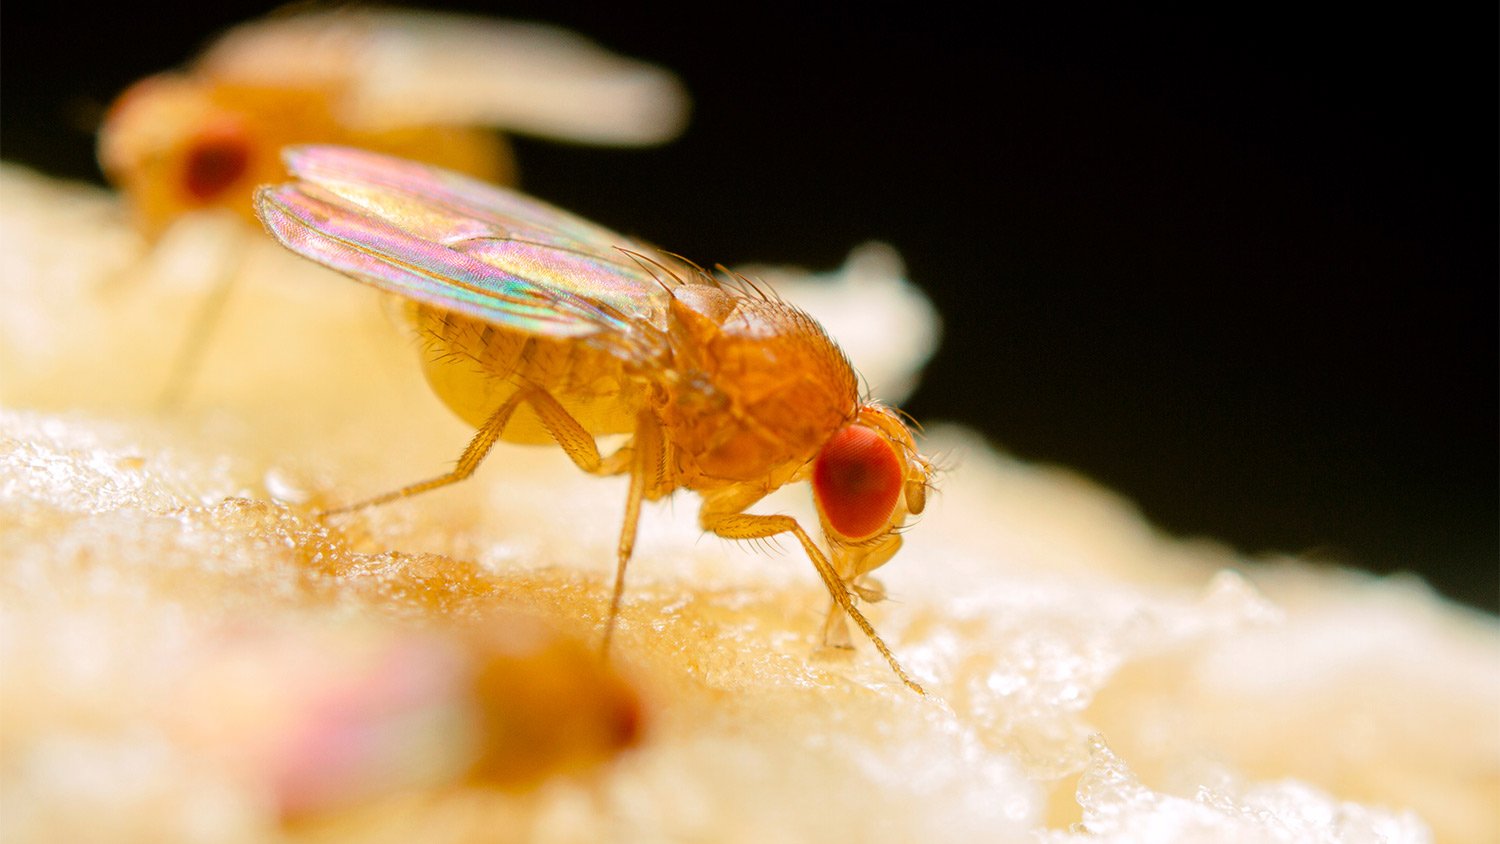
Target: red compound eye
x=216, y=160
x=857, y=479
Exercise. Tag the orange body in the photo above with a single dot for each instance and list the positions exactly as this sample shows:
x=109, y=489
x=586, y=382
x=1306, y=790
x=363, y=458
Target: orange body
x=752, y=391
x=750, y=395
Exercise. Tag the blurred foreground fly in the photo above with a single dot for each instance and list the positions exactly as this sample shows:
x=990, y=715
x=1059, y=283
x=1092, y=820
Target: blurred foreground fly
x=549, y=328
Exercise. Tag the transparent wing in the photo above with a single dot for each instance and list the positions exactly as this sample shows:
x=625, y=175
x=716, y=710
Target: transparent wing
x=442, y=205
x=422, y=68
x=456, y=243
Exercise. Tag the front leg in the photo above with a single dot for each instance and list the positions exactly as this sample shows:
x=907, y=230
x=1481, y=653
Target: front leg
x=738, y=525
x=854, y=563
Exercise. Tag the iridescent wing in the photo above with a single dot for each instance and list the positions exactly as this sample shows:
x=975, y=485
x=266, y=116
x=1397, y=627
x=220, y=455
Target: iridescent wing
x=400, y=68
x=456, y=243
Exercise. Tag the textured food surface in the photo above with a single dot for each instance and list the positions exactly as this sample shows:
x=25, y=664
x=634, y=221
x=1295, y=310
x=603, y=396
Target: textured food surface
x=188, y=653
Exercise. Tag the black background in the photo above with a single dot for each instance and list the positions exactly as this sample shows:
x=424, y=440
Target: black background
x=1239, y=265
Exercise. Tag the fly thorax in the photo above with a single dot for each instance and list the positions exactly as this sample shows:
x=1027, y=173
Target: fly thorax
x=759, y=385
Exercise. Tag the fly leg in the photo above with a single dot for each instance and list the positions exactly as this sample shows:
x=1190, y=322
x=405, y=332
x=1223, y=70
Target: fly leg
x=836, y=628
x=642, y=457
x=732, y=524
x=647, y=479
x=474, y=454
x=854, y=563
x=570, y=435
x=205, y=325
x=573, y=438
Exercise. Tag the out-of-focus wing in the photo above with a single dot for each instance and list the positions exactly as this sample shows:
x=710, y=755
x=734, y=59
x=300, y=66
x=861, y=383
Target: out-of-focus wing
x=421, y=68
x=456, y=243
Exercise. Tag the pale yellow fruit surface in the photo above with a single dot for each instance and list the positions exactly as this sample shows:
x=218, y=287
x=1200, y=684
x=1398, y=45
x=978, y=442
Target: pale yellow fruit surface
x=1089, y=678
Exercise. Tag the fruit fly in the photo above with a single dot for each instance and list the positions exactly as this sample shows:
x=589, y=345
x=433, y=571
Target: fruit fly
x=345, y=716
x=546, y=328
x=418, y=85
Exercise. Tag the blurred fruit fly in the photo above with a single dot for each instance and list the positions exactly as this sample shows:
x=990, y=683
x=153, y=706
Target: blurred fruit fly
x=352, y=714
x=418, y=85
x=548, y=328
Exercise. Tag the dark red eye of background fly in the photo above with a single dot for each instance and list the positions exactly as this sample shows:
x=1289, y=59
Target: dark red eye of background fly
x=214, y=162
